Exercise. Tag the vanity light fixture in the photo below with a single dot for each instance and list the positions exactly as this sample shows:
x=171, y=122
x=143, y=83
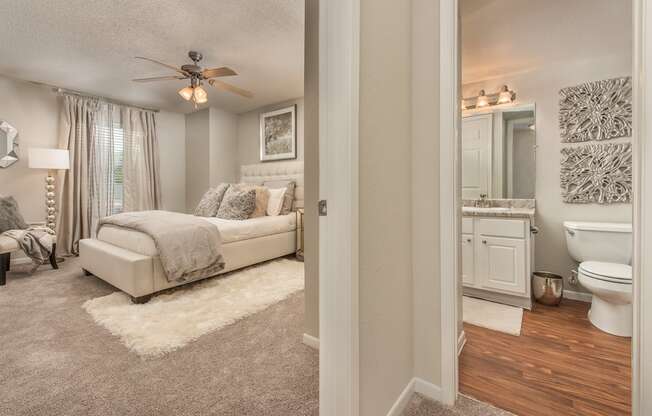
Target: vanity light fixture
x=482, y=100
x=504, y=96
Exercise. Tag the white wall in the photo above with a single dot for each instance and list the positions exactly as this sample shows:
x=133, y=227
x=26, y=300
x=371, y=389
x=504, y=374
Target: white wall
x=197, y=156
x=211, y=152
x=385, y=227
x=171, y=129
x=34, y=111
x=249, y=131
x=311, y=169
x=224, y=166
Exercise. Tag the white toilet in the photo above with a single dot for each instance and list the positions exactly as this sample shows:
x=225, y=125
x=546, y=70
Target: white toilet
x=604, y=251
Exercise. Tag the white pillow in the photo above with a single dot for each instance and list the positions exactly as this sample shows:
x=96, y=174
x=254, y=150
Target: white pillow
x=275, y=202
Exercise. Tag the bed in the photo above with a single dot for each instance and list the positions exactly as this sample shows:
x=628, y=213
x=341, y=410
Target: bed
x=128, y=259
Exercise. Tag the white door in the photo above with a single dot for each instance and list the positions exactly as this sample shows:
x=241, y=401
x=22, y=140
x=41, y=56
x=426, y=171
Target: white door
x=468, y=260
x=476, y=156
x=501, y=264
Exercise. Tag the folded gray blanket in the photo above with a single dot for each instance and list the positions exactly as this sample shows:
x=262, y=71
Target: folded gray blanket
x=189, y=247
x=36, y=242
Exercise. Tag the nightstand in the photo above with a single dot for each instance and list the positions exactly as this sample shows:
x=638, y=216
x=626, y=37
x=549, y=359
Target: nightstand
x=299, y=252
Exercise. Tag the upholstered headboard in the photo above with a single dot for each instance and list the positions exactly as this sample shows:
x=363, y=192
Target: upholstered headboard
x=276, y=171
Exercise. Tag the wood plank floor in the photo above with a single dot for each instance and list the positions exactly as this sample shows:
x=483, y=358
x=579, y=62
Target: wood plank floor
x=560, y=365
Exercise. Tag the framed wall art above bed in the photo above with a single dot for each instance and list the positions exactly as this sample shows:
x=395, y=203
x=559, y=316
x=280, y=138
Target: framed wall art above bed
x=278, y=134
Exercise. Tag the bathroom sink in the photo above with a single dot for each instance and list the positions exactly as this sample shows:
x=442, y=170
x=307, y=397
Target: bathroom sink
x=487, y=210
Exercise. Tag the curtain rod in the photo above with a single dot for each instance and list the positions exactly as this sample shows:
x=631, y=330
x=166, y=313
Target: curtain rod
x=61, y=91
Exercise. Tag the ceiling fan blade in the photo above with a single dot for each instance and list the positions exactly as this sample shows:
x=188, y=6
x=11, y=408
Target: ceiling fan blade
x=230, y=88
x=164, y=78
x=218, y=72
x=174, y=68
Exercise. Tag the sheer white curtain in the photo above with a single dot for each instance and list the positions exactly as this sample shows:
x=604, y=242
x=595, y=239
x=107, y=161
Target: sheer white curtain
x=114, y=165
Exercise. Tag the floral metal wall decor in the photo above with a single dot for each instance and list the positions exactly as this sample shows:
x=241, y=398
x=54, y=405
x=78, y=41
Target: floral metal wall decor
x=598, y=110
x=599, y=173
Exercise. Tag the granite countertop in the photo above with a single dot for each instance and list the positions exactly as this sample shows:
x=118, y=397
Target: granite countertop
x=505, y=208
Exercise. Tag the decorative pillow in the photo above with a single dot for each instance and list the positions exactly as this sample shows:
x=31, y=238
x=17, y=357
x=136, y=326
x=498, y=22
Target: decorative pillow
x=275, y=203
x=289, y=186
x=237, y=204
x=262, y=197
x=10, y=218
x=211, y=201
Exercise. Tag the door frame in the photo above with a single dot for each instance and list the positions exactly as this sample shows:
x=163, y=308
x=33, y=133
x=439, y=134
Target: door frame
x=339, y=52
x=450, y=222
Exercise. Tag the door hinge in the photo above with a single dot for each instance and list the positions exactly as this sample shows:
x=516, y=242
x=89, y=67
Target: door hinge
x=323, y=208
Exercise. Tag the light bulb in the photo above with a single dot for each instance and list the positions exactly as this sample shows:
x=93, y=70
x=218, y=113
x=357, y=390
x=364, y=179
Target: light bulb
x=186, y=93
x=504, y=96
x=200, y=95
x=482, y=100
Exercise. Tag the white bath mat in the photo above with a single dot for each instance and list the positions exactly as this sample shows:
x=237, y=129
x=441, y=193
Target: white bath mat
x=491, y=315
x=170, y=321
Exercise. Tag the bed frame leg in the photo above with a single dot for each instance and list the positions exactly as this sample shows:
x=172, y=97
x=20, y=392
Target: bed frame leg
x=5, y=262
x=53, y=257
x=140, y=299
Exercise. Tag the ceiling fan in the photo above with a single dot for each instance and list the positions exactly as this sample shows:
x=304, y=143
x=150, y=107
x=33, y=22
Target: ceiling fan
x=197, y=76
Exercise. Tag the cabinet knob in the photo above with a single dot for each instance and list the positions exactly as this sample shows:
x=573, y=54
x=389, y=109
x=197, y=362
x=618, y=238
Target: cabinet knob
x=468, y=240
x=484, y=241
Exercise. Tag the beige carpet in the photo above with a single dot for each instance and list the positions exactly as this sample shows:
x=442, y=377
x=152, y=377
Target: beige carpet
x=54, y=360
x=492, y=315
x=465, y=406
x=173, y=319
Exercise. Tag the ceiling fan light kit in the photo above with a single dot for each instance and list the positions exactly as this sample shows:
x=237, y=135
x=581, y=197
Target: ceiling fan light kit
x=196, y=74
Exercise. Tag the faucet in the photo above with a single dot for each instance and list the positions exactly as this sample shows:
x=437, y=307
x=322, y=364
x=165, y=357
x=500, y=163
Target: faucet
x=482, y=202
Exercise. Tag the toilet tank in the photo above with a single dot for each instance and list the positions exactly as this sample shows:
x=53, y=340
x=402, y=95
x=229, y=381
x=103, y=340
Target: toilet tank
x=599, y=241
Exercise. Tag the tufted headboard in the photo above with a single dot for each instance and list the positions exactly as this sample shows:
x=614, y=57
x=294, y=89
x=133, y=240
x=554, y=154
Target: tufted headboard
x=276, y=171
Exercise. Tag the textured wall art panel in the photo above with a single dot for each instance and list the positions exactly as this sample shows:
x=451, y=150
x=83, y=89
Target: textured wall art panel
x=598, y=110
x=599, y=173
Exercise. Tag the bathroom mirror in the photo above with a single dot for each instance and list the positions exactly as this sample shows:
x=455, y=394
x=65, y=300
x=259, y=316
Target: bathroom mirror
x=498, y=152
x=8, y=144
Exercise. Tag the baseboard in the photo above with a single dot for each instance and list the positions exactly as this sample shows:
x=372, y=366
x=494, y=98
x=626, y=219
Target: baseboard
x=416, y=385
x=427, y=389
x=581, y=296
x=311, y=341
x=461, y=342
x=403, y=399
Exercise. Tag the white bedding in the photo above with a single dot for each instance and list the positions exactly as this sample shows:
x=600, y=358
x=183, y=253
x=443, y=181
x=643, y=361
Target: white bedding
x=230, y=230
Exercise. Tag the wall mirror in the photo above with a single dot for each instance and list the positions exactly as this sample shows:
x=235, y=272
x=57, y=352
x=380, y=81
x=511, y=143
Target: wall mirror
x=8, y=144
x=498, y=152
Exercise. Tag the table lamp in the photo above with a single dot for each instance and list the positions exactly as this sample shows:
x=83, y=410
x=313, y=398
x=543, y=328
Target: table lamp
x=52, y=160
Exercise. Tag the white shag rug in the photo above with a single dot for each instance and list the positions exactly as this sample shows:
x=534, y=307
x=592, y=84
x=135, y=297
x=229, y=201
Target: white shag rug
x=171, y=320
x=491, y=315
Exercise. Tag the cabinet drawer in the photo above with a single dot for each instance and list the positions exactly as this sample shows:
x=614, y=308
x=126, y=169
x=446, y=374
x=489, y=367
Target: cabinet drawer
x=467, y=225
x=502, y=227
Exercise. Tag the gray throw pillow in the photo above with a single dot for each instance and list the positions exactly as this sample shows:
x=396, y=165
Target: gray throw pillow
x=10, y=218
x=237, y=204
x=211, y=201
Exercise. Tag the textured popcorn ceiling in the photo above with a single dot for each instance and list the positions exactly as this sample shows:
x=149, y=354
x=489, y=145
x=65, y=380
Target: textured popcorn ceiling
x=89, y=45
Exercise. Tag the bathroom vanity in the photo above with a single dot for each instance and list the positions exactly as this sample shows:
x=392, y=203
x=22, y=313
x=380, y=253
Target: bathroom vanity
x=498, y=250
x=498, y=187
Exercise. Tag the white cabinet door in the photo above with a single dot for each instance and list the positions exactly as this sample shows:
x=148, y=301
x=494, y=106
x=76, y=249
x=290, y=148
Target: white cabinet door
x=468, y=260
x=476, y=156
x=501, y=264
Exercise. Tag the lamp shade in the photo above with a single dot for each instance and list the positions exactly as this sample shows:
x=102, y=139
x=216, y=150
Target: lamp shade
x=48, y=159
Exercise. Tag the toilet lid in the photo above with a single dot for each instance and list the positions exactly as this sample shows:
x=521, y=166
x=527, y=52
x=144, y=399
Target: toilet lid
x=607, y=271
